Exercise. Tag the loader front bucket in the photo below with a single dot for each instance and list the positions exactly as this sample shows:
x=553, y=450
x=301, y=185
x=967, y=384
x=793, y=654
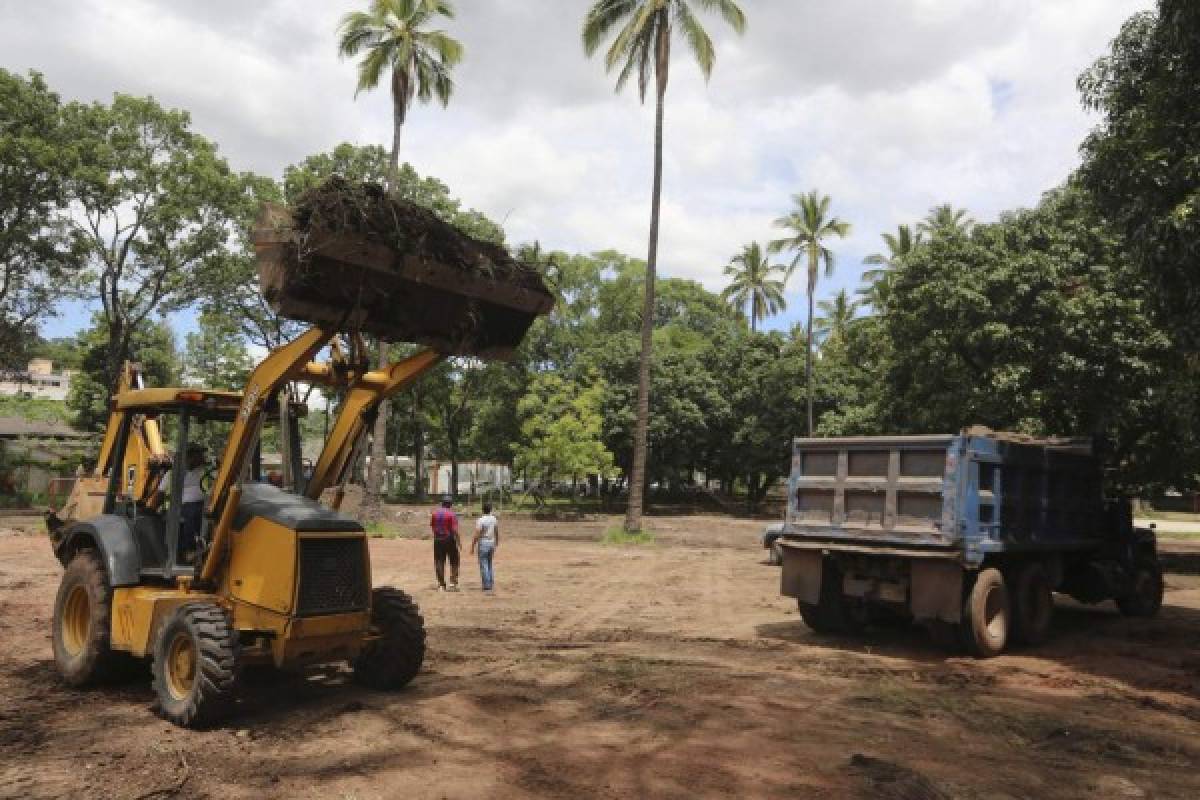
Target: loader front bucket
x=350, y=256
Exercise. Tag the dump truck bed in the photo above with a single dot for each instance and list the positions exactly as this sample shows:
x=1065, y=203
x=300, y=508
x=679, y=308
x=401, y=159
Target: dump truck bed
x=961, y=495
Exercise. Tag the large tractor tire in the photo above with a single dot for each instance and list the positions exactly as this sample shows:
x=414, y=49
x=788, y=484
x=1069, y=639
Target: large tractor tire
x=196, y=665
x=83, y=623
x=1032, y=604
x=987, y=615
x=1146, y=598
x=395, y=657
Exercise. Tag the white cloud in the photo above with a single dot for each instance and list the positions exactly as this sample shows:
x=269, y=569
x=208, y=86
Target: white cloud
x=890, y=106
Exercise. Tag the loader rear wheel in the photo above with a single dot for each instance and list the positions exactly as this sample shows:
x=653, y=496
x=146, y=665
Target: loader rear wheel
x=196, y=665
x=1146, y=598
x=82, y=622
x=395, y=655
x=987, y=616
x=1033, y=605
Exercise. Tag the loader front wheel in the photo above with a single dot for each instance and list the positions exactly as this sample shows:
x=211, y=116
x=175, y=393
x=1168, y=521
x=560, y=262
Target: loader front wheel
x=82, y=622
x=196, y=665
x=394, y=655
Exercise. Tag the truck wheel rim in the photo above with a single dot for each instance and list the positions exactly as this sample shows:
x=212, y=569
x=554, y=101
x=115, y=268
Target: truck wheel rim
x=181, y=665
x=993, y=614
x=76, y=619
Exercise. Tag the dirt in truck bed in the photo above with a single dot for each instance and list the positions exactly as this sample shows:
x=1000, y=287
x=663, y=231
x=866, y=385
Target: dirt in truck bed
x=668, y=670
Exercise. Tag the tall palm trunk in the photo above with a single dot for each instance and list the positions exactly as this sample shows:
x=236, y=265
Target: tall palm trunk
x=372, y=501
x=637, y=475
x=808, y=350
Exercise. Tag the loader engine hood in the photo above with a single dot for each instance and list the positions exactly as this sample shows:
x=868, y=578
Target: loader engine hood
x=289, y=510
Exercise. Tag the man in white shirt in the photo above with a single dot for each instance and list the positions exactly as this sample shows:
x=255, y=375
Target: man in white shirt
x=487, y=537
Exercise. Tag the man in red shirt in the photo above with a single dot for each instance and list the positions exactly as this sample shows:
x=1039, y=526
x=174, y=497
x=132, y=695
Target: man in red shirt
x=446, y=544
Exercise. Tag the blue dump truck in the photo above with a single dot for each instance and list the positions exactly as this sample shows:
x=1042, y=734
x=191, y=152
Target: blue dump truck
x=969, y=535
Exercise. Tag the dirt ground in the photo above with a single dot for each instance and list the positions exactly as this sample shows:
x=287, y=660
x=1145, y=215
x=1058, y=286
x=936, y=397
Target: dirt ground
x=666, y=670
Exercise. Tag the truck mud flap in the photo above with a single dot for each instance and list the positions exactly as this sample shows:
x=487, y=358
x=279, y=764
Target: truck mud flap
x=936, y=590
x=801, y=575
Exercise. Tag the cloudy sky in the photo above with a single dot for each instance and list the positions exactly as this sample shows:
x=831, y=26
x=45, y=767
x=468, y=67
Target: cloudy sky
x=890, y=106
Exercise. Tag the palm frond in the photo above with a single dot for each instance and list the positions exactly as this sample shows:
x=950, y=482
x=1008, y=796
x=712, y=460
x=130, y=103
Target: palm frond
x=697, y=38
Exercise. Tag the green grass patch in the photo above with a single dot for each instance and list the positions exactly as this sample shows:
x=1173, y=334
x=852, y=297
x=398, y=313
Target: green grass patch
x=617, y=535
x=35, y=409
x=381, y=530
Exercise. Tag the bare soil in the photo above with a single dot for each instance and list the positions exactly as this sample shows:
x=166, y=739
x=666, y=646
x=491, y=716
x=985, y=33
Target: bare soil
x=666, y=670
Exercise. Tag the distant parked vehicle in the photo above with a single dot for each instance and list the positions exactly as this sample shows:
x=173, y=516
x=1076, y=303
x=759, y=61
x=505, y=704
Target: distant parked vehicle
x=968, y=534
x=770, y=541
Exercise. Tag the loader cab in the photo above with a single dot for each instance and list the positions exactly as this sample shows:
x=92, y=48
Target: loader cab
x=148, y=493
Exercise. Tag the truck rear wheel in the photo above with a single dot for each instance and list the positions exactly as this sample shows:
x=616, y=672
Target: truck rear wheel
x=1033, y=604
x=196, y=665
x=832, y=613
x=82, y=622
x=395, y=657
x=1146, y=598
x=987, y=615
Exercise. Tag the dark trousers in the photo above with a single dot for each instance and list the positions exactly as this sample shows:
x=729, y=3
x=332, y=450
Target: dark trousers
x=191, y=517
x=443, y=550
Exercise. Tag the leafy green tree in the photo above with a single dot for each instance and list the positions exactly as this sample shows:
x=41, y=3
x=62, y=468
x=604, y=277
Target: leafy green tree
x=641, y=46
x=370, y=163
x=878, y=281
x=151, y=344
x=392, y=38
x=1142, y=163
x=215, y=356
x=809, y=228
x=836, y=316
x=1035, y=324
x=64, y=351
x=36, y=254
x=561, y=429
x=155, y=211
x=946, y=219
x=751, y=283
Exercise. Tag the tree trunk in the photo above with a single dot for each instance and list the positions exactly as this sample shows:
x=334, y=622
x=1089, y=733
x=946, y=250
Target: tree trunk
x=418, y=446
x=372, y=502
x=637, y=476
x=808, y=354
x=401, y=94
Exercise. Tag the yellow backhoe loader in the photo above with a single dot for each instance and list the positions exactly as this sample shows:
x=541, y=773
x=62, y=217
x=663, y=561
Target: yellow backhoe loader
x=279, y=577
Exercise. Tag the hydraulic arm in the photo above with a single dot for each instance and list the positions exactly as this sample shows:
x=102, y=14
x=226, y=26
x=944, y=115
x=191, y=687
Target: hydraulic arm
x=358, y=408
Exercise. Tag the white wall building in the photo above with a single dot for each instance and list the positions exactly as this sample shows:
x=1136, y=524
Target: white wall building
x=38, y=380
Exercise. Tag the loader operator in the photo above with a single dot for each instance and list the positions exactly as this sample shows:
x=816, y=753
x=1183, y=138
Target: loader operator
x=191, y=516
x=446, y=545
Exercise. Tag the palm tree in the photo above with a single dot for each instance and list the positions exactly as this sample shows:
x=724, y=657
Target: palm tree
x=641, y=46
x=751, y=283
x=946, y=219
x=879, y=281
x=810, y=227
x=836, y=316
x=392, y=35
